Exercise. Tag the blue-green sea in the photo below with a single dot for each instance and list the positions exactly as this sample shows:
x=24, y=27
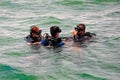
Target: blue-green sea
x=94, y=60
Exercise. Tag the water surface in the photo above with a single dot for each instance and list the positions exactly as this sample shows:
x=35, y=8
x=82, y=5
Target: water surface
x=97, y=60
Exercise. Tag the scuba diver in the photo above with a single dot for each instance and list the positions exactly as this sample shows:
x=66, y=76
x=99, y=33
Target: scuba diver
x=35, y=36
x=80, y=35
x=54, y=40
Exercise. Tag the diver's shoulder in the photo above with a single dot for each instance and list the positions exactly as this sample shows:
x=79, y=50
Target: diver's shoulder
x=89, y=34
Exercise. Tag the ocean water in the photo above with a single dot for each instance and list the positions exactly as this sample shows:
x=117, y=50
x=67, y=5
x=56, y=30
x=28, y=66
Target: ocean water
x=96, y=60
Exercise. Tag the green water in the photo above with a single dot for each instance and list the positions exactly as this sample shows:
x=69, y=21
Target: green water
x=95, y=60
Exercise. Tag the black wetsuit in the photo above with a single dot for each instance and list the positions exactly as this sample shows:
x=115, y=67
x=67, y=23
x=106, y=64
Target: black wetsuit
x=81, y=38
x=32, y=39
x=55, y=42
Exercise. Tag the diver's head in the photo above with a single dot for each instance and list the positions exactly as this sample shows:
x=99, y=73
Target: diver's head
x=35, y=31
x=55, y=30
x=80, y=28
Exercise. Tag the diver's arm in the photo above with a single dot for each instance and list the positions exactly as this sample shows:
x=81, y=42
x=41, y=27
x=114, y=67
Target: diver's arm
x=35, y=43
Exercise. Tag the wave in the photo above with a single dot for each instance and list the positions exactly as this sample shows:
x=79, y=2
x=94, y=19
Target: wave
x=86, y=76
x=9, y=73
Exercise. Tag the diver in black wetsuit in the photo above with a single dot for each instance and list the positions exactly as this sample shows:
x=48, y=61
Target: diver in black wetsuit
x=80, y=35
x=35, y=35
x=54, y=40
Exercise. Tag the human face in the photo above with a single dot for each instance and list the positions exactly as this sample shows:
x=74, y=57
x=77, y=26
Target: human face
x=35, y=35
x=57, y=35
x=81, y=32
